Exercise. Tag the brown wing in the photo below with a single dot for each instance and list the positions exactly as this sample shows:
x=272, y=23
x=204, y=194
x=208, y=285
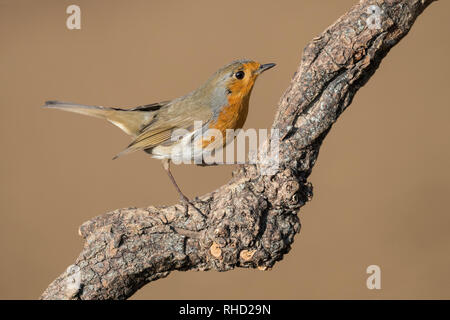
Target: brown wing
x=180, y=115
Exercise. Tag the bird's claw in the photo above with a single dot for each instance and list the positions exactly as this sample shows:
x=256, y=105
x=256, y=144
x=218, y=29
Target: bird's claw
x=186, y=202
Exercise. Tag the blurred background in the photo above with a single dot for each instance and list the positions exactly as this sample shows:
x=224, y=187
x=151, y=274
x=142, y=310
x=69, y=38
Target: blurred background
x=381, y=183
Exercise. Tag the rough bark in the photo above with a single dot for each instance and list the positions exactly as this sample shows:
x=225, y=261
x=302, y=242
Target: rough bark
x=251, y=221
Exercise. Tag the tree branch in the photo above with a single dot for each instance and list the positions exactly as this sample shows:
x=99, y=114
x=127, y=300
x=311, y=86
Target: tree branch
x=251, y=221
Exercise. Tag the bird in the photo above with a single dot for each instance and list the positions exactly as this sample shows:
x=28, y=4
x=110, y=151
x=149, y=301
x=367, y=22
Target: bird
x=167, y=130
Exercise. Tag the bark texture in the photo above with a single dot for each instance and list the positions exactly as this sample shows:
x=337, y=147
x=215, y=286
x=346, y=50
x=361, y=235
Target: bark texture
x=251, y=221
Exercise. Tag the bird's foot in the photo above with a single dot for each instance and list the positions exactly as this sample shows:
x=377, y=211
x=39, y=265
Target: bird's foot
x=186, y=202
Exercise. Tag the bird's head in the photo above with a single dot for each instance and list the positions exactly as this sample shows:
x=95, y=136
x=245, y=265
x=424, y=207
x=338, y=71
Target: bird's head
x=239, y=76
x=235, y=80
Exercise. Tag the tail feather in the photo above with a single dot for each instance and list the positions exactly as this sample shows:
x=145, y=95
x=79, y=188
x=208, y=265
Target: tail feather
x=93, y=111
x=130, y=121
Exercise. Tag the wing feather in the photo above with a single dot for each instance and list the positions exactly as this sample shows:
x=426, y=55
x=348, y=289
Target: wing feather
x=162, y=128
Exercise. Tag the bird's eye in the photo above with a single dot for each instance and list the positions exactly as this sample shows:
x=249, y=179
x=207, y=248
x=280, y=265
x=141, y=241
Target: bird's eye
x=239, y=75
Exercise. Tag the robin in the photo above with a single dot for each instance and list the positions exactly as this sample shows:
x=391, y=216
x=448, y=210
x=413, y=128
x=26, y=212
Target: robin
x=166, y=130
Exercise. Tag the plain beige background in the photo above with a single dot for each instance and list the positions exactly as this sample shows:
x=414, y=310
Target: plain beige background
x=382, y=180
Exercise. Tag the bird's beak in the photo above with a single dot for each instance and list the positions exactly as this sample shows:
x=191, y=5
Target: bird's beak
x=265, y=67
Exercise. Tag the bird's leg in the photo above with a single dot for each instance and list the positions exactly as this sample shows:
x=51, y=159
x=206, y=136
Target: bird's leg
x=166, y=165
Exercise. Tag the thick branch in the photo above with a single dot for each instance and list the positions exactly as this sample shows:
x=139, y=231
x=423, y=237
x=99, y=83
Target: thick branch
x=251, y=221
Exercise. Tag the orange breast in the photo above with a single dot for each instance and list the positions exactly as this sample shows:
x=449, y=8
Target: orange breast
x=232, y=116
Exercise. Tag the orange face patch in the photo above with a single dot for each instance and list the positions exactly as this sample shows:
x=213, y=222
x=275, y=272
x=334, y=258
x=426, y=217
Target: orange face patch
x=242, y=87
x=233, y=115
